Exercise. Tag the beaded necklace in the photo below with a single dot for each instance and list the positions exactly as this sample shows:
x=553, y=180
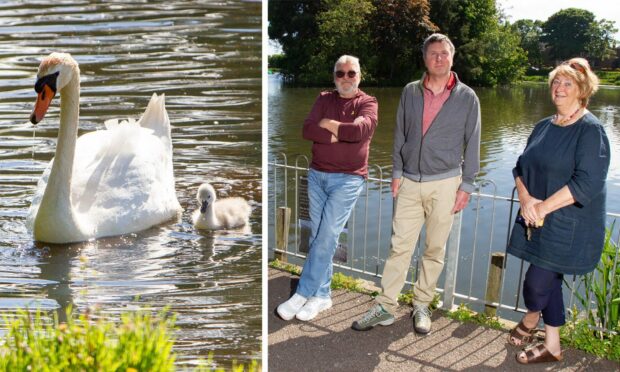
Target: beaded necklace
x=565, y=120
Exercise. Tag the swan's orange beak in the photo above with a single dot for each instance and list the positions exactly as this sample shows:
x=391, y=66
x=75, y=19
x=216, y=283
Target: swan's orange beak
x=44, y=98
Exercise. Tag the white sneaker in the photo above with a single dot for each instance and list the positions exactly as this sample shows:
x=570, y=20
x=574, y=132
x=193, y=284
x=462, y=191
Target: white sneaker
x=289, y=308
x=313, y=307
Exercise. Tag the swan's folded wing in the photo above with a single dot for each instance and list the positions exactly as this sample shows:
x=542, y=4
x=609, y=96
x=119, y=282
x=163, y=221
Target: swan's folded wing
x=123, y=180
x=156, y=118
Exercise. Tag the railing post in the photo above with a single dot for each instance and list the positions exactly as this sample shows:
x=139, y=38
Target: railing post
x=283, y=222
x=452, y=260
x=494, y=281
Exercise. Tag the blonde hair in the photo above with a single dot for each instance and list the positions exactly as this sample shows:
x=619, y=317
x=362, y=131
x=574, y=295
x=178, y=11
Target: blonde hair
x=578, y=70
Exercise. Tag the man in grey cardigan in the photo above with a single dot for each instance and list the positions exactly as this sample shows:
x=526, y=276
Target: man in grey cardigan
x=436, y=157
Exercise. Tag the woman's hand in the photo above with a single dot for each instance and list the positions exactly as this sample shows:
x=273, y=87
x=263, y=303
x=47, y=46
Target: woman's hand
x=530, y=210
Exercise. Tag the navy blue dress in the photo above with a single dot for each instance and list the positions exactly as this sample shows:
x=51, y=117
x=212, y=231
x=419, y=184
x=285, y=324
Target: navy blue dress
x=571, y=239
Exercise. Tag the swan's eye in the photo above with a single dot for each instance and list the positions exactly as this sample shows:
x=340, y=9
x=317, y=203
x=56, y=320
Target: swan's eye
x=49, y=80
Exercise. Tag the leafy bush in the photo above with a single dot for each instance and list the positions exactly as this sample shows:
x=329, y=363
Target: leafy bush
x=141, y=342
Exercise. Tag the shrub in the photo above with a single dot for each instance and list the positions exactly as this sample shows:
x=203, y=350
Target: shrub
x=141, y=342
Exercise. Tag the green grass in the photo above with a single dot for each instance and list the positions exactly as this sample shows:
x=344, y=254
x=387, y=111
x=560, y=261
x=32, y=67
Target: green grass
x=290, y=268
x=609, y=77
x=578, y=334
x=464, y=314
x=606, y=77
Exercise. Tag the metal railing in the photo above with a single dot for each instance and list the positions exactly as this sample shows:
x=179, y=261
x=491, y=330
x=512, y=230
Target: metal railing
x=475, y=233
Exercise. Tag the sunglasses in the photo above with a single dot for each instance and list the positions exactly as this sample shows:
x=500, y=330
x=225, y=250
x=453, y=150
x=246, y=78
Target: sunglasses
x=576, y=66
x=340, y=74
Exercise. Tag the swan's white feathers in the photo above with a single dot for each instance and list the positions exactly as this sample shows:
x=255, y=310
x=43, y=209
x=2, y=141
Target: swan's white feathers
x=122, y=178
x=155, y=117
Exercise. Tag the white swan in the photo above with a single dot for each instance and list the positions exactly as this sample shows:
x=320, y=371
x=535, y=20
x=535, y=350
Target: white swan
x=108, y=182
x=229, y=213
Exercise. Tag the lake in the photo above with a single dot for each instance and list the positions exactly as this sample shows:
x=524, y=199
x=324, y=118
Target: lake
x=206, y=57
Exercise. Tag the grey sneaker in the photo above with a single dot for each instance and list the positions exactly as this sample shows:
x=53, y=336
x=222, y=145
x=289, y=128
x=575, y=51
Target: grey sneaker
x=375, y=316
x=421, y=319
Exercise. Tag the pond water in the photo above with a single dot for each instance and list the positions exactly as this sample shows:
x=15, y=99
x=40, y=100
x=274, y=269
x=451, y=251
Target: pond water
x=508, y=116
x=205, y=56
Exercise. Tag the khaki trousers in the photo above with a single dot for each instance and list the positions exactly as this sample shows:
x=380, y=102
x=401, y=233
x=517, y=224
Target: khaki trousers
x=418, y=203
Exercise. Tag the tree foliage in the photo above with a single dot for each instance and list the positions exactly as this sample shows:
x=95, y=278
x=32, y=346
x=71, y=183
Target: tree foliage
x=575, y=32
x=398, y=29
x=530, y=33
x=342, y=29
x=387, y=36
x=293, y=24
x=488, y=53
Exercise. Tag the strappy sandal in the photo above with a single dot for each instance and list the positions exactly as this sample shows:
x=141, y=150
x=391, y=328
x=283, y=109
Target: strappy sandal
x=526, y=337
x=543, y=355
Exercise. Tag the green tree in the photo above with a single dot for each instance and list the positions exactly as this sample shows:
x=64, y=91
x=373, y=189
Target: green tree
x=530, y=33
x=342, y=29
x=293, y=24
x=398, y=29
x=603, y=44
x=487, y=53
x=575, y=32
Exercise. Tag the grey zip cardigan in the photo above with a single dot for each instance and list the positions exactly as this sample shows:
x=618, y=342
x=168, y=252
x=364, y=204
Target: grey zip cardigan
x=450, y=147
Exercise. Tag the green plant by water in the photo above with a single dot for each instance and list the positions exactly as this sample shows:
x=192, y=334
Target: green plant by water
x=597, y=327
x=141, y=342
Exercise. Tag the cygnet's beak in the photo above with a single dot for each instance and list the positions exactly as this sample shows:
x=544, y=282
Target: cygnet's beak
x=203, y=206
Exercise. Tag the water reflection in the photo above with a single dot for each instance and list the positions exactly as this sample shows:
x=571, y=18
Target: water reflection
x=205, y=57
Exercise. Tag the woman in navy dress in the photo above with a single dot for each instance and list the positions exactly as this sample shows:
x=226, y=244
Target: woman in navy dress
x=560, y=180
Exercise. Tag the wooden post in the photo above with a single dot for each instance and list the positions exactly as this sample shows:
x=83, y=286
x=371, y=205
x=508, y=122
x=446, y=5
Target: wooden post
x=283, y=222
x=496, y=271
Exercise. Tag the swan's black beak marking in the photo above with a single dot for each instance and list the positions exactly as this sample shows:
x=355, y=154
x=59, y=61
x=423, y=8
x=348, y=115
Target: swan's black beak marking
x=46, y=90
x=203, y=206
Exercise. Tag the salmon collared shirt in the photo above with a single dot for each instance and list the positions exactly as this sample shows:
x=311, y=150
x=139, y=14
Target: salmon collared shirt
x=434, y=102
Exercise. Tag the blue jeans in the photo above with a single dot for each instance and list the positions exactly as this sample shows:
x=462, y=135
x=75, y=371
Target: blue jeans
x=332, y=197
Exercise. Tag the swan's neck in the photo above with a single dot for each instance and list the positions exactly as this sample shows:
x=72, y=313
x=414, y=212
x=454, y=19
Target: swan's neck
x=210, y=214
x=56, y=218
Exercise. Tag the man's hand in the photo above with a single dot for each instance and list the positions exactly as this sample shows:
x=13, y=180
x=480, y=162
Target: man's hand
x=330, y=125
x=395, y=186
x=462, y=198
x=334, y=139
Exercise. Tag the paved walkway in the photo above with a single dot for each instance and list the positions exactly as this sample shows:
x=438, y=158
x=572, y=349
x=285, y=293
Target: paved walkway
x=327, y=343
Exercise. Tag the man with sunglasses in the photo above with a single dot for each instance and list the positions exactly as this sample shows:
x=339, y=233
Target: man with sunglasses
x=436, y=157
x=340, y=126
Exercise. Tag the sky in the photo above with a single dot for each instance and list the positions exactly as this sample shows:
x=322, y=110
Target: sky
x=542, y=9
